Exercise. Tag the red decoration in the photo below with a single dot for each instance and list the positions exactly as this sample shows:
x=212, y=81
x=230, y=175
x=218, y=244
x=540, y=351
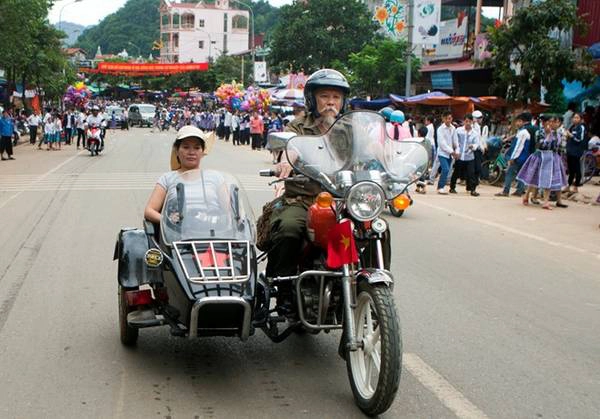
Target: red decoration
x=206, y=259
x=146, y=69
x=341, y=248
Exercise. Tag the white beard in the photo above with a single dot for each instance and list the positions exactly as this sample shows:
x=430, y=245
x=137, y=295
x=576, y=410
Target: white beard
x=326, y=121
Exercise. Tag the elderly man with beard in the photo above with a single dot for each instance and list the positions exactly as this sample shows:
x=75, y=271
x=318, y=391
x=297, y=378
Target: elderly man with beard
x=325, y=96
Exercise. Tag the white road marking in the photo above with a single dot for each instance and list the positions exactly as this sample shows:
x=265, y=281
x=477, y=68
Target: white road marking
x=511, y=230
x=441, y=388
x=49, y=172
x=98, y=181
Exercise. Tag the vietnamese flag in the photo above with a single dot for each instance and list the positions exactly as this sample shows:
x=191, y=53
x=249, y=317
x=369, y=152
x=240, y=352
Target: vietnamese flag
x=341, y=248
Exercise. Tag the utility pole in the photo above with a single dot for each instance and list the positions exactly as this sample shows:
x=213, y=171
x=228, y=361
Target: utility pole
x=409, y=21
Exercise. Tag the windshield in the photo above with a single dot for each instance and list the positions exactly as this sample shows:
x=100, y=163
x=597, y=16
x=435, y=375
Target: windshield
x=147, y=109
x=206, y=205
x=356, y=148
x=116, y=111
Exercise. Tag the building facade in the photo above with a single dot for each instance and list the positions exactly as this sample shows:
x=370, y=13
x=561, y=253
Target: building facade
x=201, y=32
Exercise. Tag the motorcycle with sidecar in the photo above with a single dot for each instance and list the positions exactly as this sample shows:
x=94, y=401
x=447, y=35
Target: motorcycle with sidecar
x=197, y=272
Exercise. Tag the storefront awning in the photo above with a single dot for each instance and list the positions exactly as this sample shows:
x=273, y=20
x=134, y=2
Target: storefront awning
x=459, y=66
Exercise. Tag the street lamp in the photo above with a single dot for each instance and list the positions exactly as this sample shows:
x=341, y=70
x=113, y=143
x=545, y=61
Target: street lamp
x=139, y=49
x=252, y=23
x=61, y=10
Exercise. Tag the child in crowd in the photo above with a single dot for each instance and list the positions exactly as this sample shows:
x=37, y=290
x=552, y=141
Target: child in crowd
x=48, y=133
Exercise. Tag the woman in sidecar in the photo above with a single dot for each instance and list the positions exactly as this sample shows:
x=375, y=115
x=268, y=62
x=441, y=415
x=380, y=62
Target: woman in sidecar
x=193, y=266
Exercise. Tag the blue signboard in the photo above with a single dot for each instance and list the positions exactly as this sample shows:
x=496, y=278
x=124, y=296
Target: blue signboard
x=442, y=80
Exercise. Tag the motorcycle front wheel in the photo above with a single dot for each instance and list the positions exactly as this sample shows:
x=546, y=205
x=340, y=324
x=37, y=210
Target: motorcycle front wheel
x=374, y=369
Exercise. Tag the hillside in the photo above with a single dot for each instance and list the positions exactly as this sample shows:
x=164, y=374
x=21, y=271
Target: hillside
x=134, y=23
x=73, y=30
x=137, y=22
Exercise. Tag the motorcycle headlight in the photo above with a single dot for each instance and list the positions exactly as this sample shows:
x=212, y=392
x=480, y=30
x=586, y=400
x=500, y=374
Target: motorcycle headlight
x=365, y=201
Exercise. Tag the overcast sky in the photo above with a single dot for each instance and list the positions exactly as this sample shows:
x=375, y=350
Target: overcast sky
x=90, y=12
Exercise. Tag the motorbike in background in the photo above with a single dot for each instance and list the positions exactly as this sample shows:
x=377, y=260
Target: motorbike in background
x=94, y=140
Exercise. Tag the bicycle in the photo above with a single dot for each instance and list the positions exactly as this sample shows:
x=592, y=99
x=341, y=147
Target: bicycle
x=590, y=166
x=493, y=169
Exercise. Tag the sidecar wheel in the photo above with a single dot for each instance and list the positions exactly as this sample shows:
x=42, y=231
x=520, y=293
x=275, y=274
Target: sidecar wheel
x=374, y=369
x=129, y=335
x=395, y=212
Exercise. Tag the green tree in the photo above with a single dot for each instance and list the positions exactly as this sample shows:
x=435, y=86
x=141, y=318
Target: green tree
x=31, y=48
x=380, y=68
x=526, y=54
x=315, y=34
x=135, y=25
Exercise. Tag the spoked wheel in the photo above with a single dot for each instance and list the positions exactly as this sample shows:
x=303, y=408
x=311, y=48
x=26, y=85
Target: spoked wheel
x=589, y=168
x=129, y=335
x=493, y=171
x=374, y=369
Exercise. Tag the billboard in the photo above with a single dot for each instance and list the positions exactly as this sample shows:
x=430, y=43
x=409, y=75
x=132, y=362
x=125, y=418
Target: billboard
x=260, y=71
x=426, y=22
x=453, y=37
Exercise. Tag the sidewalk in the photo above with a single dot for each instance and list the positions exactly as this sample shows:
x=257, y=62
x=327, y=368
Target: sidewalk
x=574, y=228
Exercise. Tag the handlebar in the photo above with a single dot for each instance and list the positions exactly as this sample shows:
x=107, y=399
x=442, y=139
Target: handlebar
x=267, y=173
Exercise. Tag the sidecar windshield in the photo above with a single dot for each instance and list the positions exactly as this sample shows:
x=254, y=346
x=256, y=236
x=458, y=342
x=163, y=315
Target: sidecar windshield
x=206, y=205
x=357, y=148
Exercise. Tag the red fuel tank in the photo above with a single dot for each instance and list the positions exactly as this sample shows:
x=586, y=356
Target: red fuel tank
x=319, y=222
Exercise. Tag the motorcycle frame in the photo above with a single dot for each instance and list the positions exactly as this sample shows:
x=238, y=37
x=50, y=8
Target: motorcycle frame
x=350, y=280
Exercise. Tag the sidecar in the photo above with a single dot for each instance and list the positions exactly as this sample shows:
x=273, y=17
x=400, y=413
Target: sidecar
x=195, y=272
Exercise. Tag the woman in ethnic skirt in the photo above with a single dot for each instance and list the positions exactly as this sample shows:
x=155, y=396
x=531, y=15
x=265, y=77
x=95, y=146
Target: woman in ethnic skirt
x=544, y=168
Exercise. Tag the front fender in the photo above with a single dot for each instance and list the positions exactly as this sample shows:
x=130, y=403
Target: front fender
x=130, y=251
x=376, y=276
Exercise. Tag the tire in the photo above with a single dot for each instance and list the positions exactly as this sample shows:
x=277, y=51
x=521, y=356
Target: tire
x=375, y=304
x=395, y=212
x=589, y=167
x=485, y=172
x=129, y=335
x=494, y=172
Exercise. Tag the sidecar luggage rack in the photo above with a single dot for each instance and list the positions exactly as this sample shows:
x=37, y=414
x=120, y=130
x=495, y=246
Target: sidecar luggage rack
x=214, y=262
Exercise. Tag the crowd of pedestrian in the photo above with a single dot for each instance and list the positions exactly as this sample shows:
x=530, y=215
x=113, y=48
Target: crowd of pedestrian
x=540, y=152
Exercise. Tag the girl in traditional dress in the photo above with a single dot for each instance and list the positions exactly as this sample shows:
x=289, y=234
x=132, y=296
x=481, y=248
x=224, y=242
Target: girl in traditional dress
x=544, y=168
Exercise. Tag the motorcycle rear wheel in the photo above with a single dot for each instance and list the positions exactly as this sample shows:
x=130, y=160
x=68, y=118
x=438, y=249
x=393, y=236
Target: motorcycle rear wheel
x=129, y=335
x=374, y=369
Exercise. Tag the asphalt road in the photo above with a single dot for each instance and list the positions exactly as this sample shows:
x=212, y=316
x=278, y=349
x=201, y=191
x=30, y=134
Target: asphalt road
x=499, y=304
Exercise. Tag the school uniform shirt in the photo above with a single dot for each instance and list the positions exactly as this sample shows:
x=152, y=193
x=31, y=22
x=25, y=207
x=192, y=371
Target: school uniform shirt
x=468, y=141
x=519, y=151
x=447, y=140
x=94, y=121
x=483, y=133
x=33, y=120
x=49, y=127
x=430, y=133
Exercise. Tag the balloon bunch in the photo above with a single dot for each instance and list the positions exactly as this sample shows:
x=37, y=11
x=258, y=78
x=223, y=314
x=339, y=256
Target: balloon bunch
x=234, y=98
x=77, y=95
x=230, y=95
x=256, y=100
